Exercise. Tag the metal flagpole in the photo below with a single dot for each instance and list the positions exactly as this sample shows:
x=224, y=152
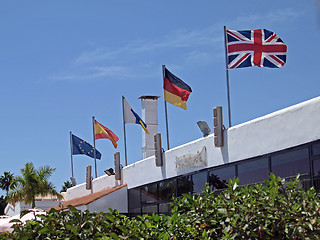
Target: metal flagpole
x=71, y=148
x=124, y=132
x=165, y=107
x=94, y=146
x=227, y=73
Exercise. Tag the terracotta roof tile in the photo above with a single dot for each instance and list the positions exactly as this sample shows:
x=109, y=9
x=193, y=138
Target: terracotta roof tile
x=84, y=200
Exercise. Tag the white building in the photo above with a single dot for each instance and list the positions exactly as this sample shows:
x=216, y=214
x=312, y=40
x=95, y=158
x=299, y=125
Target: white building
x=285, y=142
x=40, y=203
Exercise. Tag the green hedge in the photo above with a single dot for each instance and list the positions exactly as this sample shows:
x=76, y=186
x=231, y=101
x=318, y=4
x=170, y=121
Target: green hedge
x=274, y=210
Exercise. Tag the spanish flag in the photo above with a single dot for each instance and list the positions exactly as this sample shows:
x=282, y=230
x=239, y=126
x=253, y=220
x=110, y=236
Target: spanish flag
x=176, y=91
x=101, y=131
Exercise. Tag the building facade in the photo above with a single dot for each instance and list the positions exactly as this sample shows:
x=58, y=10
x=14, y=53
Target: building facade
x=42, y=203
x=285, y=142
x=156, y=197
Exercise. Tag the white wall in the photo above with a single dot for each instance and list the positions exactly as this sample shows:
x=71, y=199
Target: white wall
x=279, y=130
x=82, y=207
x=11, y=210
x=98, y=184
x=145, y=171
x=115, y=200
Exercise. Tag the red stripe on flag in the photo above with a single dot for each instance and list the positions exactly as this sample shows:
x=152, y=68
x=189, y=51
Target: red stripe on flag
x=170, y=87
x=252, y=47
x=240, y=60
x=271, y=38
x=107, y=134
x=277, y=60
x=234, y=35
x=258, y=47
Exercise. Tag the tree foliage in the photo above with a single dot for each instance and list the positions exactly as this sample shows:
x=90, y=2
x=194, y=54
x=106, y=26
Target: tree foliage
x=274, y=210
x=66, y=185
x=32, y=183
x=7, y=182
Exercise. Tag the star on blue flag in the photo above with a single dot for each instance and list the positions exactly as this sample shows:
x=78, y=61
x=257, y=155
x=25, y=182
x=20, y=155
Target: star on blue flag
x=80, y=146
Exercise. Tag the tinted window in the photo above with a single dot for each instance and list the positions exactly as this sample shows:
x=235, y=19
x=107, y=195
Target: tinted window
x=316, y=167
x=317, y=184
x=150, y=209
x=149, y=193
x=184, y=185
x=290, y=163
x=166, y=189
x=199, y=180
x=253, y=171
x=134, y=199
x=135, y=211
x=164, y=208
x=218, y=178
x=316, y=149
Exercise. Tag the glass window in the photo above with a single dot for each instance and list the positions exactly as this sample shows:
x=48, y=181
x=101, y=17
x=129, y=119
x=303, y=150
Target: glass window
x=149, y=209
x=135, y=211
x=164, y=208
x=253, y=171
x=167, y=189
x=134, y=199
x=316, y=149
x=199, y=180
x=218, y=178
x=290, y=163
x=184, y=185
x=149, y=193
x=317, y=184
x=316, y=167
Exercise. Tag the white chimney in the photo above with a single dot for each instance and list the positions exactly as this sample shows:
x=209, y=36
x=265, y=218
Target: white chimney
x=149, y=106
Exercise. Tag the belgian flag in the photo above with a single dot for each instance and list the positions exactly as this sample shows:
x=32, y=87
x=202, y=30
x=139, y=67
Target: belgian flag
x=176, y=91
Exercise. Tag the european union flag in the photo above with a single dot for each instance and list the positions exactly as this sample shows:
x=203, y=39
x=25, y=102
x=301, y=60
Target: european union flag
x=80, y=146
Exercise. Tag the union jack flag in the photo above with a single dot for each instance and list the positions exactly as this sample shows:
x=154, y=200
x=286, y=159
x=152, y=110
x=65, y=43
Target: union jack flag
x=259, y=47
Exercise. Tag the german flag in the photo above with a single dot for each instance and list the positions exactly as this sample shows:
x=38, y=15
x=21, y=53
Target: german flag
x=176, y=91
x=101, y=131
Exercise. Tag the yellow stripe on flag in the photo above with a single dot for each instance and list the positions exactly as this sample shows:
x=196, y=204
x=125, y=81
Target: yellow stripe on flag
x=100, y=130
x=144, y=128
x=175, y=100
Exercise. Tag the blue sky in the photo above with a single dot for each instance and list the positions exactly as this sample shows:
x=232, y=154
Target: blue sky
x=62, y=62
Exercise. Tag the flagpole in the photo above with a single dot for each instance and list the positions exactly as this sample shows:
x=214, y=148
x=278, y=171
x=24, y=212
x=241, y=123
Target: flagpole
x=124, y=132
x=165, y=107
x=94, y=147
x=227, y=73
x=71, y=148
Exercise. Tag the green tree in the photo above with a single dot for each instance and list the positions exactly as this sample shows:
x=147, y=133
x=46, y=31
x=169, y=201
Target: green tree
x=66, y=185
x=7, y=182
x=32, y=183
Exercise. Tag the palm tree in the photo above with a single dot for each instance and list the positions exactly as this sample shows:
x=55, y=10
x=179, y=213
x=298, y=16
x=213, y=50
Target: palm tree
x=66, y=185
x=7, y=182
x=33, y=183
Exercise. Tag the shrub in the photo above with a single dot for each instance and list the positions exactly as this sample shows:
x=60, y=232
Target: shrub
x=274, y=210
